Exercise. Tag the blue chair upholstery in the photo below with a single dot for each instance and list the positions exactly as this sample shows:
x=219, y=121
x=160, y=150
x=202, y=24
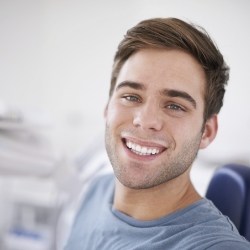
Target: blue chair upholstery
x=229, y=190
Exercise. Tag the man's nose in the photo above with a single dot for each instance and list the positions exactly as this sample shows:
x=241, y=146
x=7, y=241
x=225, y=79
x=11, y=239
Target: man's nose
x=148, y=116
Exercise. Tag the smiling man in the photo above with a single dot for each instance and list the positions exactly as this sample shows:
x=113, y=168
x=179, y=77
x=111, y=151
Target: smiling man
x=167, y=88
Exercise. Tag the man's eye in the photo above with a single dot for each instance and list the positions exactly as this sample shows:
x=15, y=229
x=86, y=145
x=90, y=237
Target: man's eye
x=175, y=107
x=131, y=98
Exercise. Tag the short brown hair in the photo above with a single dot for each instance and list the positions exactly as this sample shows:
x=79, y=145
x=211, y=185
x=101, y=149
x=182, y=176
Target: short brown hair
x=176, y=34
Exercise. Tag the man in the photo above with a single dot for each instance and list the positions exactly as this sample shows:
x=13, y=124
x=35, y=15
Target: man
x=167, y=87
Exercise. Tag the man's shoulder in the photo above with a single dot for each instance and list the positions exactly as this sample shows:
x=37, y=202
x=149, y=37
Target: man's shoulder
x=212, y=229
x=100, y=186
x=99, y=192
x=102, y=180
x=231, y=245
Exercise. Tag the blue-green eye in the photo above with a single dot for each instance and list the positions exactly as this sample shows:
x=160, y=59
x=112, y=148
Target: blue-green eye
x=131, y=98
x=175, y=107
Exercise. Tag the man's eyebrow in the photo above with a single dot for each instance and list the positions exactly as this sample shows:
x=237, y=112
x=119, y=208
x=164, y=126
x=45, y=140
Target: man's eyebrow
x=131, y=84
x=166, y=92
x=181, y=94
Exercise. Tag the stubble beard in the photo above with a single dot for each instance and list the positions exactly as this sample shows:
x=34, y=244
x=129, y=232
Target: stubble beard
x=168, y=169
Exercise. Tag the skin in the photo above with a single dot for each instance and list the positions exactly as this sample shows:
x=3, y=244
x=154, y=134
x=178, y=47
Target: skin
x=158, y=103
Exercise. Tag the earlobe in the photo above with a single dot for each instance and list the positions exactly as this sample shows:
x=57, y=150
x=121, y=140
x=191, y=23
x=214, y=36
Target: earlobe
x=210, y=131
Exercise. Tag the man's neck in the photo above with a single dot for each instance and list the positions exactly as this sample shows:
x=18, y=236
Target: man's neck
x=156, y=202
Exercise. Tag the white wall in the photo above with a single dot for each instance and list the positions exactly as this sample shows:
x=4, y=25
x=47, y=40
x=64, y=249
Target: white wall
x=57, y=56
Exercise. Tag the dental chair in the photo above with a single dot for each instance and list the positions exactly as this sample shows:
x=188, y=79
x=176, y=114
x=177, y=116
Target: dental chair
x=229, y=190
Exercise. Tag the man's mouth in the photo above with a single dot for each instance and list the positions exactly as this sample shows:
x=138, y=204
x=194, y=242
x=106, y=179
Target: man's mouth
x=142, y=149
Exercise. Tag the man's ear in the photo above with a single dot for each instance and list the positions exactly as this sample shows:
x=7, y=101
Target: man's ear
x=210, y=131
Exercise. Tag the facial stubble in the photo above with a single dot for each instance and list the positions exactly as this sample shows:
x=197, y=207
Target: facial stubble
x=170, y=167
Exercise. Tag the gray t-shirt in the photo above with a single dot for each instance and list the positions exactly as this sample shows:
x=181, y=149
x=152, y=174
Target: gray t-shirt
x=99, y=226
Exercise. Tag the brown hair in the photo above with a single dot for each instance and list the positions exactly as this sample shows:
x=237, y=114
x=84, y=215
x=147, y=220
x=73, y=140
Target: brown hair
x=177, y=34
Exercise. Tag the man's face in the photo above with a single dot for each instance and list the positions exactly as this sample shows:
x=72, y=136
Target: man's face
x=154, y=118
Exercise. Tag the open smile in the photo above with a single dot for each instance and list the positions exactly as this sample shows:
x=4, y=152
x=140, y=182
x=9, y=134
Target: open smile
x=143, y=149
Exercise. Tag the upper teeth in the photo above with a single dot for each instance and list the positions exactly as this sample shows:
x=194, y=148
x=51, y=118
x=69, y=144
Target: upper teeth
x=141, y=150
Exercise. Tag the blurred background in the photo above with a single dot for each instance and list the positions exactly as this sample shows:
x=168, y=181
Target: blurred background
x=55, y=65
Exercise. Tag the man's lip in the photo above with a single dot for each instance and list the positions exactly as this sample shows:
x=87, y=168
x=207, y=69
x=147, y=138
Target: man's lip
x=140, y=151
x=143, y=148
x=145, y=143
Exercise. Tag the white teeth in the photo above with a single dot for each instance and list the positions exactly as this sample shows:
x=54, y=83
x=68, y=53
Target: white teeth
x=155, y=151
x=144, y=150
x=138, y=148
x=141, y=150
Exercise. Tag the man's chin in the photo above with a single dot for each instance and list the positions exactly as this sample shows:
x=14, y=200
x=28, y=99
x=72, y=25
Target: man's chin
x=138, y=183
